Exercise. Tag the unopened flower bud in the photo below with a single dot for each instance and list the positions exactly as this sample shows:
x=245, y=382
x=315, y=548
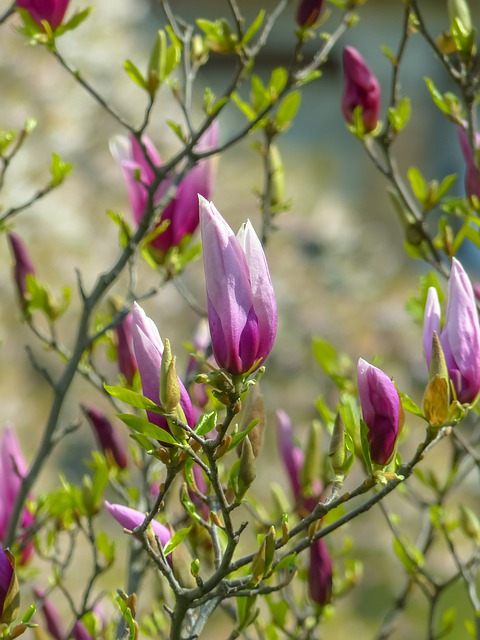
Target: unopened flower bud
x=436, y=400
x=254, y=409
x=320, y=573
x=247, y=471
x=23, y=266
x=9, y=590
x=362, y=90
x=337, y=451
x=269, y=549
x=308, y=12
x=107, y=436
x=459, y=9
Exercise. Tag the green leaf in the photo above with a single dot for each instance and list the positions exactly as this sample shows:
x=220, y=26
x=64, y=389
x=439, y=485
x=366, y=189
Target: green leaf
x=207, y=422
x=244, y=107
x=238, y=437
x=74, y=22
x=59, y=170
x=27, y=616
x=437, y=97
x=106, y=547
x=134, y=74
x=398, y=116
x=287, y=110
x=418, y=184
x=409, y=556
x=141, y=440
x=445, y=185
x=409, y=405
x=278, y=80
x=286, y=562
x=147, y=428
x=176, y=540
x=133, y=398
x=253, y=28
x=365, y=446
x=6, y=139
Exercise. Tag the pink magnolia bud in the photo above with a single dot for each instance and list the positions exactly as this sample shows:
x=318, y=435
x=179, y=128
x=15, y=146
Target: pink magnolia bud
x=22, y=264
x=148, y=348
x=472, y=175
x=460, y=338
x=308, y=12
x=51, y=615
x=52, y=11
x=362, y=89
x=80, y=632
x=182, y=211
x=130, y=518
x=291, y=454
x=320, y=573
x=107, y=436
x=125, y=356
x=381, y=410
x=242, y=311
x=12, y=472
x=9, y=597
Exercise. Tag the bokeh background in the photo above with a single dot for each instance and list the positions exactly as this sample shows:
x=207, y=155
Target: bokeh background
x=336, y=258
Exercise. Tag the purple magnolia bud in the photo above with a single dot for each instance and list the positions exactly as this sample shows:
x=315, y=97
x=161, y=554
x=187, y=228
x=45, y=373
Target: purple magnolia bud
x=107, y=436
x=22, y=265
x=12, y=472
x=242, y=311
x=381, y=410
x=308, y=12
x=80, y=632
x=472, y=175
x=182, y=211
x=291, y=454
x=9, y=592
x=148, y=348
x=320, y=573
x=362, y=89
x=125, y=356
x=51, y=615
x=460, y=338
x=52, y=11
x=130, y=518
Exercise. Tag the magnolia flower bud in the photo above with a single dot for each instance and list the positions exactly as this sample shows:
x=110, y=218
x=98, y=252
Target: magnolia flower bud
x=23, y=266
x=182, y=212
x=130, y=518
x=362, y=90
x=472, y=174
x=127, y=364
x=308, y=12
x=148, y=348
x=242, y=311
x=320, y=573
x=247, y=472
x=381, y=409
x=107, y=436
x=460, y=337
x=9, y=590
x=51, y=615
x=337, y=451
x=52, y=11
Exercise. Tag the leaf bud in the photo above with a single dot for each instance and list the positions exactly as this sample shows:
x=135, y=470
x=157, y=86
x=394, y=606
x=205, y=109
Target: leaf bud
x=247, y=471
x=470, y=523
x=312, y=456
x=338, y=451
x=277, y=176
x=254, y=409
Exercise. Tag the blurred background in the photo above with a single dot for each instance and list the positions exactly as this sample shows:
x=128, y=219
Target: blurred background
x=336, y=258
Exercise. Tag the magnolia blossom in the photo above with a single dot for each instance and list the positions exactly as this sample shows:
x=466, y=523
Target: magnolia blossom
x=308, y=12
x=12, y=471
x=242, y=311
x=107, y=436
x=130, y=518
x=381, y=410
x=320, y=573
x=52, y=11
x=472, y=175
x=23, y=265
x=460, y=337
x=127, y=364
x=182, y=210
x=362, y=89
x=148, y=348
x=52, y=617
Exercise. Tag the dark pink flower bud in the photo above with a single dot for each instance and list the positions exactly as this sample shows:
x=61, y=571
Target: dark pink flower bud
x=291, y=454
x=182, y=211
x=472, y=175
x=127, y=364
x=148, y=348
x=12, y=471
x=460, y=337
x=362, y=89
x=107, y=436
x=52, y=617
x=52, y=11
x=308, y=12
x=381, y=410
x=242, y=310
x=80, y=632
x=22, y=264
x=131, y=518
x=320, y=573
